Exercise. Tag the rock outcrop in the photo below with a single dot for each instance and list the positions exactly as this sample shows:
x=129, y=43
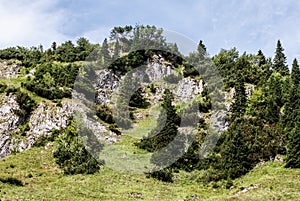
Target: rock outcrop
x=9, y=69
x=9, y=122
x=43, y=120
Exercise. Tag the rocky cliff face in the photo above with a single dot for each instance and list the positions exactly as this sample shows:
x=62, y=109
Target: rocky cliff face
x=43, y=120
x=48, y=116
x=9, y=69
x=9, y=122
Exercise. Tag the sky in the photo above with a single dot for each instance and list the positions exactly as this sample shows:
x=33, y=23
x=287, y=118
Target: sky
x=249, y=25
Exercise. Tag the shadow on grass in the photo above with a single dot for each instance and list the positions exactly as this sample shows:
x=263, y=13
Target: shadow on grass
x=12, y=181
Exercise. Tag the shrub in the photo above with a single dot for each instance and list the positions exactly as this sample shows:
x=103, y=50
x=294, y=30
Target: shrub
x=71, y=154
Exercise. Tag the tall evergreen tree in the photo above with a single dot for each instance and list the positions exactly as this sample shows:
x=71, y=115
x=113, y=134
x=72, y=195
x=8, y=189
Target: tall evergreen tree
x=116, y=50
x=274, y=97
x=279, y=61
x=293, y=148
x=261, y=58
x=201, y=49
x=166, y=130
x=234, y=152
x=295, y=74
x=105, y=52
x=239, y=104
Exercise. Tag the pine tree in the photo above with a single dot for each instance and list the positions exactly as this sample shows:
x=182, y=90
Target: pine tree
x=116, y=50
x=201, y=49
x=234, y=152
x=72, y=156
x=105, y=52
x=274, y=97
x=239, y=104
x=261, y=58
x=295, y=74
x=166, y=130
x=293, y=148
x=280, y=65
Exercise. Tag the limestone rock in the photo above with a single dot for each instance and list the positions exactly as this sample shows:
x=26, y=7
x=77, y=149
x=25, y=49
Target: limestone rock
x=9, y=69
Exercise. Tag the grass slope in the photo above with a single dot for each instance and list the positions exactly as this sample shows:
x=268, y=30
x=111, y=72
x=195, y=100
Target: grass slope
x=42, y=180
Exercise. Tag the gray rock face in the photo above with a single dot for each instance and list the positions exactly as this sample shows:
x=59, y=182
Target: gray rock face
x=8, y=70
x=42, y=122
x=9, y=122
x=107, y=83
x=46, y=118
x=157, y=71
x=188, y=88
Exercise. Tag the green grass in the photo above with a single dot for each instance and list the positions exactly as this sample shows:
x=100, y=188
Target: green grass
x=42, y=180
x=16, y=83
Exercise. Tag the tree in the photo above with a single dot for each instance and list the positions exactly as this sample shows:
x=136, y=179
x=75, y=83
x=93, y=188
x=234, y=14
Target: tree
x=274, y=97
x=105, y=53
x=265, y=68
x=71, y=155
x=116, y=50
x=53, y=46
x=83, y=49
x=234, y=152
x=280, y=60
x=291, y=119
x=295, y=74
x=293, y=148
x=166, y=130
x=239, y=104
x=201, y=49
x=261, y=59
x=66, y=52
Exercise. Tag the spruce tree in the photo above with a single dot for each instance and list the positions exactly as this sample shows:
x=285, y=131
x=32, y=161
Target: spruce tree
x=105, y=52
x=239, y=104
x=295, y=74
x=274, y=97
x=116, y=50
x=261, y=58
x=166, y=130
x=201, y=49
x=293, y=148
x=279, y=62
x=72, y=156
x=234, y=152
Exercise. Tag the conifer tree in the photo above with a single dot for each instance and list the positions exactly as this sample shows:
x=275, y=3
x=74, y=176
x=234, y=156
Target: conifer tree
x=295, y=74
x=105, y=52
x=279, y=62
x=116, y=50
x=293, y=148
x=201, y=49
x=239, y=104
x=72, y=156
x=261, y=58
x=234, y=152
x=166, y=130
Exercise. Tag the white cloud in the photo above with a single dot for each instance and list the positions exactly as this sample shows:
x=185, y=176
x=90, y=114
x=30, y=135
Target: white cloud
x=30, y=23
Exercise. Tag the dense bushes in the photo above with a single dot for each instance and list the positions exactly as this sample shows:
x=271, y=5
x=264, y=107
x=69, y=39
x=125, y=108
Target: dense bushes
x=71, y=155
x=53, y=80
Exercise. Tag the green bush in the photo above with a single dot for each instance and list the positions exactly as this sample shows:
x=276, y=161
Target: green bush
x=71, y=155
x=104, y=113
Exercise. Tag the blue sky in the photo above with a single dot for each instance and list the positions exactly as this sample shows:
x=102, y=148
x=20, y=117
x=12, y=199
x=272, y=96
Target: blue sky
x=248, y=25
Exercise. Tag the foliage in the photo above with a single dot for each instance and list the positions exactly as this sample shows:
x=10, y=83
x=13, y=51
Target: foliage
x=239, y=104
x=26, y=103
x=53, y=80
x=71, y=154
x=137, y=100
x=104, y=113
x=280, y=60
x=293, y=149
x=164, y=175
